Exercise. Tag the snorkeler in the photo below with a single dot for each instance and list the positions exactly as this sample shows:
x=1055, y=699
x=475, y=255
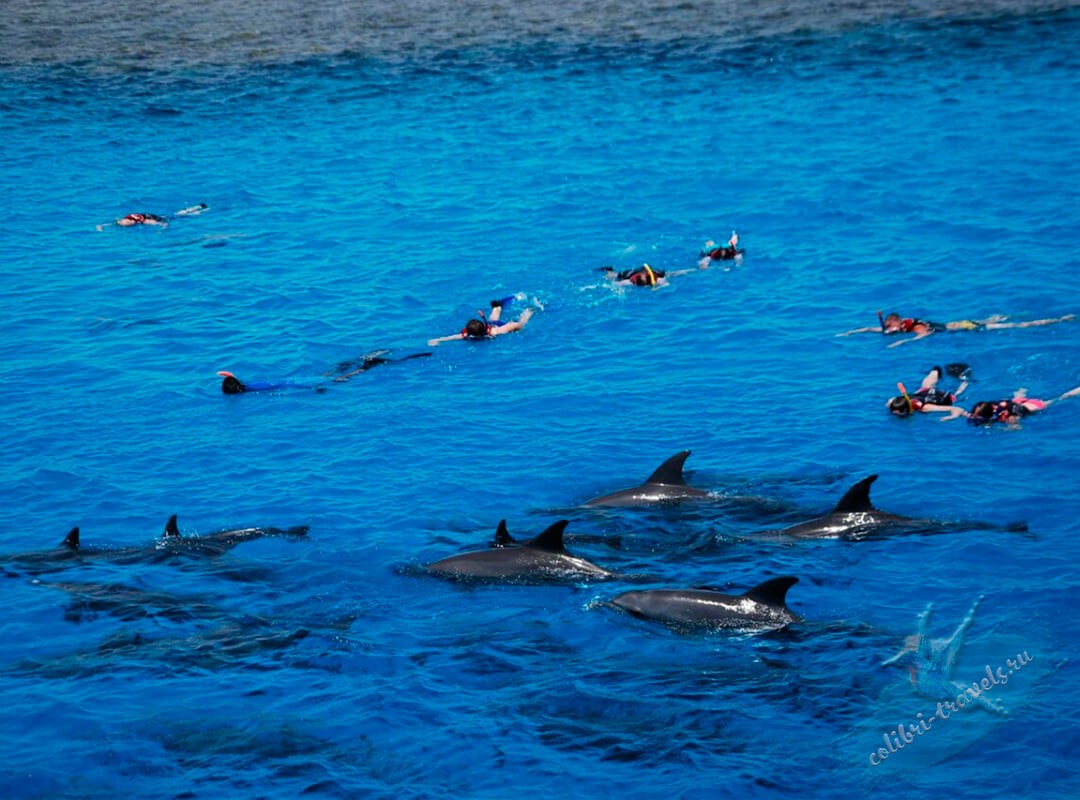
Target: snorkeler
x=1012, y=411
x=894, y=323
x=230, y=384
x=141, y=218
x=723, y=252
x=488, y=326
x=928, y=397
x=346, y=369
x=644, y=275
x=638, y=276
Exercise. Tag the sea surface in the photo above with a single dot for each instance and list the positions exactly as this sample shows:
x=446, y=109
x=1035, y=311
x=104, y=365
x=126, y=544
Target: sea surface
x=375, y=173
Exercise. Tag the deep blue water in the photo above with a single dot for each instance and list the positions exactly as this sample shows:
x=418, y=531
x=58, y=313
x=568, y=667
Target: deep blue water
x=374, y=177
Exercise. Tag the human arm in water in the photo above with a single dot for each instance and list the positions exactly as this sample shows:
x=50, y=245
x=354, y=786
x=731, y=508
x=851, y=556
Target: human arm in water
x=921, y=332
x=486, y=328
x=868, y=329
x=451, y=338
x=950, y=412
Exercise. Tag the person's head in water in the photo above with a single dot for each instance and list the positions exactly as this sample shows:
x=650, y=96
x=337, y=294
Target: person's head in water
x=645, y=276
x=901, y=406
x=983, y=412
x=475, y=329
x=230, y=384
x=892, y=323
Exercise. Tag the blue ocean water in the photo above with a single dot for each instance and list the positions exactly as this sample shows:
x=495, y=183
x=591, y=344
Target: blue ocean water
x=372, y=178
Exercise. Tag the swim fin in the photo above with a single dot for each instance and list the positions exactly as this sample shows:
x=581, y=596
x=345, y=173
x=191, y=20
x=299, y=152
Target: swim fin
x=958, y=370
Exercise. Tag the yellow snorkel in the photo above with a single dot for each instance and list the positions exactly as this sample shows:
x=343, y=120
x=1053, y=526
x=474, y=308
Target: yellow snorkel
x=903, y=391
x=650, y=273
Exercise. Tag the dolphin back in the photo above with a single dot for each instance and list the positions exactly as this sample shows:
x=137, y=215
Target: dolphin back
x=761, y=608
x=171, y=528
x=857, y=498
x=670, y=472
x=551, y=540
x=502, y=536
x=772, y=592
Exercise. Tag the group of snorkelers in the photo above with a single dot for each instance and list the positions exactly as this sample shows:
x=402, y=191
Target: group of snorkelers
x=646, y=275
x=495, y=322
x=485, y=326
x=929, y=398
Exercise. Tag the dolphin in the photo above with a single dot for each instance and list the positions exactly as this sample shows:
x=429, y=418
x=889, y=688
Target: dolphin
x=171, y=543
x=542, y=559
x=665, y=485
x=42, y=560
x=214, y=544
x=230, y=642
x=853, y=518
x=762, y=608
x=129, y=603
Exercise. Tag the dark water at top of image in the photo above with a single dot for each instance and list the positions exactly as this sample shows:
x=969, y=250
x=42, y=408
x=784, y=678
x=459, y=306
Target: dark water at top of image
x=98, y=35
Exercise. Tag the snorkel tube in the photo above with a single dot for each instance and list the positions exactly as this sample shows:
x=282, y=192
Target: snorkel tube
x=881, y=320
x=650, y=273
x=907, y=397
x=231, y=384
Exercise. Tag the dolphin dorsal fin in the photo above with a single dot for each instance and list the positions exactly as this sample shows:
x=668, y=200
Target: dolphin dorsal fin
x=857, y=497
x=670, y=472
x=502, y=536
x=772, y=592
x=71, y=541
x=551, y=539
x=171, y=528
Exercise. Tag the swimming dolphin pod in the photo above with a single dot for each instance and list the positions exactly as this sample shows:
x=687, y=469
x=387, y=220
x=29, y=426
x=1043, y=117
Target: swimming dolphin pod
x=171, y=543
x=129, y=603
x=542, y=559
x=665, y=485
x=762, y=608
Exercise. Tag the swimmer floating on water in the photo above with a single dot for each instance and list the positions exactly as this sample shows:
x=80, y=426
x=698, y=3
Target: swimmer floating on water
x=488, y=326
x=644, y=275
x=128, y=220
x=1012, y=411
x=346, y=369
x=723, y=252
x=230, y=384
x=928, y=398
x=894, y=323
